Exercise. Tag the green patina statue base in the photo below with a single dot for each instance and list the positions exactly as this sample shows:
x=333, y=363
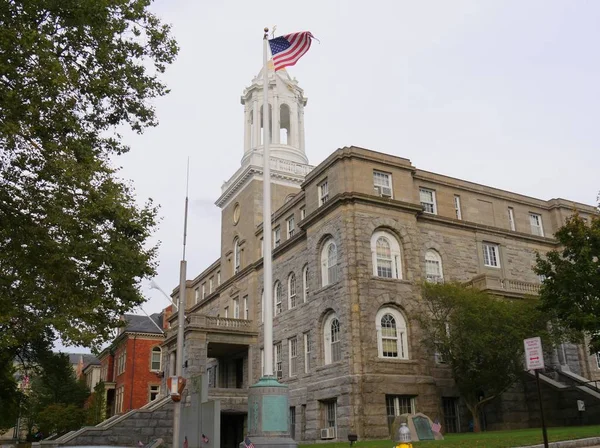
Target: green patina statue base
x=268, y=415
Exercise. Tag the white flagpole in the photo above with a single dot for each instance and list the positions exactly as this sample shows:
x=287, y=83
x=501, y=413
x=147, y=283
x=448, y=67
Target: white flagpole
x=267, y=233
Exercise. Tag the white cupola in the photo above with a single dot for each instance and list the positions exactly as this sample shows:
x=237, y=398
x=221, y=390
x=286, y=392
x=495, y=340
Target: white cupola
x=286, y=112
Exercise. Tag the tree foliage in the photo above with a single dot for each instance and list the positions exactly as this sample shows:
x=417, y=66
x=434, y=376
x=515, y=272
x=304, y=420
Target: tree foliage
x=55, y=402
x=73, y=241
x=571, y=289
x=10, y=397
x=96, y=411
x=480, y=338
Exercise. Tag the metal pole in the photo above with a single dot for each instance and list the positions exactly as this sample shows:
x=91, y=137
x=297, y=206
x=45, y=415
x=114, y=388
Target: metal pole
x=544, y=433
x=181, y=320
x=267, y=231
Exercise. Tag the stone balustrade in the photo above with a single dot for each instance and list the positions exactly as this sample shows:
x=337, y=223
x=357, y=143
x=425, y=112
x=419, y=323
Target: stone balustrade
x=504, y=286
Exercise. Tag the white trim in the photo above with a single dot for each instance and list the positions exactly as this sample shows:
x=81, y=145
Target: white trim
x=395, y=254
x=382, y=184
x=307, y=349
x=491, y=255
x=432, y=260
x=457, y=208
x=305, y=286
x=327, y=338
x=291, y=226
x=323, y=190
x=535, y=221
x=401, y=336
x=325, y=263
x=428, y=200
x=292, y=291
x=293, y=355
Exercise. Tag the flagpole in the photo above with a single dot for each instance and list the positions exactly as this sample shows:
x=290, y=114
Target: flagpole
x=267, y=232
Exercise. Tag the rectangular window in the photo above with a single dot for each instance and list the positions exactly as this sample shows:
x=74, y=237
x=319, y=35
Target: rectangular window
x=246, y=307
x=457, y=207
x=196, y=295
x=218, y=278
x=536, y=224
x=491, y=255
x=397, y=405
x=210, y=285
x=119, y=399
x=276, y=236
x=305, y=283
x=511, y=219
x=236, y=308
x=203, y=290
x=302, y=213
x=329, y=414
x=293, y=354
x=155, y=361
x=291, y=226
x=323, y=192
x=306, y=352
x=121, y=362
x=226, y=312
x=428, y=200
x=293, y=422
x=154, y=391
x=451, y=416
x=277, y=360
x=382, y=183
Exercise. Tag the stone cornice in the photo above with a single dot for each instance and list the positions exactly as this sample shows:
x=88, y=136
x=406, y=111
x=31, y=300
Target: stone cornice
x=482, y=227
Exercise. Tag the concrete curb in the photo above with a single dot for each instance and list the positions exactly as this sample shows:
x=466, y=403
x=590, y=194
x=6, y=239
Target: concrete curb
x=591, y=441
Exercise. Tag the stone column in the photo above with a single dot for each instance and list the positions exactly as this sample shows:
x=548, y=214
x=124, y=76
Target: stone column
x=256, y=124
x=276, y=120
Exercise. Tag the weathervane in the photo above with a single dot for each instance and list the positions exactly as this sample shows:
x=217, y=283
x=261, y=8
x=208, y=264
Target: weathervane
x=273, y=32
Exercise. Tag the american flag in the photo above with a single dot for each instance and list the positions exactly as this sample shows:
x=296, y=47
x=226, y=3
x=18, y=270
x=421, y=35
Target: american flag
x=248, y=443
x=288, y=49
x=436, y=426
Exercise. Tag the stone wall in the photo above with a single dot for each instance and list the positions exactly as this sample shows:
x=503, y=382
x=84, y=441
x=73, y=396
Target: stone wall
x=140, y=424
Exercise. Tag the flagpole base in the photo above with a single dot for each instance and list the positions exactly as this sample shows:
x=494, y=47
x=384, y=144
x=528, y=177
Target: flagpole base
x=268, y=415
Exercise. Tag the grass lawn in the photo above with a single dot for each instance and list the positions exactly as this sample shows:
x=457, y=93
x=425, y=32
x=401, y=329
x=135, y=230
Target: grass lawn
x=490, y=439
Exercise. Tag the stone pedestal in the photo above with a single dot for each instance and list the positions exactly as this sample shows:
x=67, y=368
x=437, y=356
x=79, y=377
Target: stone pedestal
x=268, y=415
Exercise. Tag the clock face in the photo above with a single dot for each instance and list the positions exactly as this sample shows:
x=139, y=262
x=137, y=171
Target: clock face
x=236, y=213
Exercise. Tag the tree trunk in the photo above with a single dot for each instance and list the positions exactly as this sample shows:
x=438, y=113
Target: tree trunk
x=474, y=410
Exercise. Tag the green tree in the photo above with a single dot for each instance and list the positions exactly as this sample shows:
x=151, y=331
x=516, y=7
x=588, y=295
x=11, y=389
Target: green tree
x=480, y=338
x=73, y=242
x=56, y=399
x=10, y=397
x=571, y=289
x=96, y=411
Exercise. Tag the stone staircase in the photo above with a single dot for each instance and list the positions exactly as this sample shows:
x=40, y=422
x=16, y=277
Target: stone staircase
x=153, y=421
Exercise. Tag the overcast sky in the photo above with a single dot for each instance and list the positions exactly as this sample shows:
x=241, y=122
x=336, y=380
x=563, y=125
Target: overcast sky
x=503, y=93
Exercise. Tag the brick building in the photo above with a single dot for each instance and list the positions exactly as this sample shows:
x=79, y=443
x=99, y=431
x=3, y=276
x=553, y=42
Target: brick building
x=353, y=238
x=131, y=367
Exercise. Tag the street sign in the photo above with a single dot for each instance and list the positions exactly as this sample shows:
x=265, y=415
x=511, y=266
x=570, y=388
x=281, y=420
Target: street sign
x=534, y=357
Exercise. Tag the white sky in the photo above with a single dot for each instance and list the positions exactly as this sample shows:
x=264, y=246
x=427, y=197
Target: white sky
x=504, y=93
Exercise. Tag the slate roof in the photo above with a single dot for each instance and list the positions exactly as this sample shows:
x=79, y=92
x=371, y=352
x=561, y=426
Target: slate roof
x=143, y=324
x=87, y=358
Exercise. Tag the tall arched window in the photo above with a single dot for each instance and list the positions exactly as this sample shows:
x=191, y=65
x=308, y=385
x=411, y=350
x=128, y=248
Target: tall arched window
x=433, y=267
x=392, y=341
x=387, y=260
x=305, y=283
x=156, y=359
x=277, y=298
x=329, y=263
x=292, y=291
x=332, y=339
x=236, y=256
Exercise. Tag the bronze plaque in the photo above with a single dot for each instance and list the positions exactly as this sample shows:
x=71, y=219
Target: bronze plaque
x=423, y=428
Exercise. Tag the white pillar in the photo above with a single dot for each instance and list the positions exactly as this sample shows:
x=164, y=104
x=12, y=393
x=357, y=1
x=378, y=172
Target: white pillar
x=293, y=139
x=301, y=128
x=256, y=124
x=276, y=117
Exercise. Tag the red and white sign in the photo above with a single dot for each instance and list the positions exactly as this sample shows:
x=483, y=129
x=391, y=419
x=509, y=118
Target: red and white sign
x=534, y=356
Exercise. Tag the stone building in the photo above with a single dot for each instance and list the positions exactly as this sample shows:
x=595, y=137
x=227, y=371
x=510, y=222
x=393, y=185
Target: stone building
x=353, y=239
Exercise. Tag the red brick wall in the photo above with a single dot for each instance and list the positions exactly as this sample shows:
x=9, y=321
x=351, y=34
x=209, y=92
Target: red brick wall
x=137, y=377
x=107, y=360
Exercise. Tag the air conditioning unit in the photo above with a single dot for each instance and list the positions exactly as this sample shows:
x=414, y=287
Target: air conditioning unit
x=328, y=433
x=385, y=192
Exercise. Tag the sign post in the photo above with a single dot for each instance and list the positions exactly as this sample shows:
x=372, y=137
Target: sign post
x=534, y=359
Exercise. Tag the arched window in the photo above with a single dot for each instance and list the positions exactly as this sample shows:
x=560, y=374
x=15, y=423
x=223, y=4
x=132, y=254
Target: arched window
x=392, y=341
x=433, y=267
x=292, y=291
x=305, y=283
x=236, y=256
x=387, y=261
x=262, y=123
x=156, y=359
x=329, y=263
x=277, y=298
x=332, y=339
x=284, y=125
